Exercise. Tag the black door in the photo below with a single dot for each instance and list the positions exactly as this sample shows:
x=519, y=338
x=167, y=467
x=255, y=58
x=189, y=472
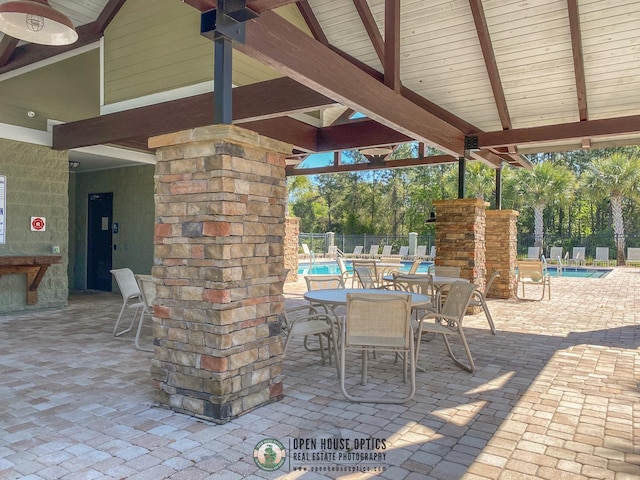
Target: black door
x=100, y=218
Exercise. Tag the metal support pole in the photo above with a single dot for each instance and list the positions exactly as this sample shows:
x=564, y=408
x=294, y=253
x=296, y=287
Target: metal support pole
x=499, y=188
x=462, y=162
x=222, y=81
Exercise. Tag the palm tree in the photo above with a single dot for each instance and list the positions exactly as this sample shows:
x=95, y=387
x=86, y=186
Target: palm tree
x=545, y=184
x=618, y=177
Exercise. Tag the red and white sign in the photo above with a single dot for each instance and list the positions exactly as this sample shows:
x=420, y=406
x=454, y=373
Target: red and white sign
x=38, y=224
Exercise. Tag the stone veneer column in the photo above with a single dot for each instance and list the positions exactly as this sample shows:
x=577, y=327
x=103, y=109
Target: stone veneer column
x=460, y=237
x=292, y=232
x=220, y=208
x=502, y=250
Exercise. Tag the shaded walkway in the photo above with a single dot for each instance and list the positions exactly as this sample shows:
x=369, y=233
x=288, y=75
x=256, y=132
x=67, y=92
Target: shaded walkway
x=555, y=396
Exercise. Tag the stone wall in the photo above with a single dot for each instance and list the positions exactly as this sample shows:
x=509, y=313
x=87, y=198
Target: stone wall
x=501, y=251
x=220, y=204
x=37, y=180
x=292, y=232
x=460, y=237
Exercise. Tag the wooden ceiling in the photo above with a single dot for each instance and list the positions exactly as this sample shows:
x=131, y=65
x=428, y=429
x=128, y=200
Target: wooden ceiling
x=510, y=77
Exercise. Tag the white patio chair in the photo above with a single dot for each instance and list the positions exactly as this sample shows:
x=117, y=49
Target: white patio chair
x=131, y=297
x=532, y=272
x=421, y=252
x=533, y=253
x=633, y=256
x=602, y=256
x=373, y=251
x=305, y=321
x=357, y=252
x=386, y=251
x=306, y=253
x=432, y=254
x=378, y=323
x=404, y=251
x=148, y=293
x=345, y=273
x=555, y=255
x=366, y=275
x=479, y=299
x=449, y=321
x=577, y=256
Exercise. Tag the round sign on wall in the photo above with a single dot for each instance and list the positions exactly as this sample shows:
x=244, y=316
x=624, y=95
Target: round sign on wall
x=38, y=224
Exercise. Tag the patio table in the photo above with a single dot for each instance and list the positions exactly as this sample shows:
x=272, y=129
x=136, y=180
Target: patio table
x=338, y=296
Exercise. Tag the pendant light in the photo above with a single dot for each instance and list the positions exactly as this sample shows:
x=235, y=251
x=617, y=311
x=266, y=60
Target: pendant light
x=36, y=21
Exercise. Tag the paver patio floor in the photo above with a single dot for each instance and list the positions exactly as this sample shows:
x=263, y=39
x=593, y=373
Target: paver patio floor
x=555, y=395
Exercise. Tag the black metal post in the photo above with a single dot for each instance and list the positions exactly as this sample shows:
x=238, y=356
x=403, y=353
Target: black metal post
x=499, y=188
x=222, y=80
x=462, y=163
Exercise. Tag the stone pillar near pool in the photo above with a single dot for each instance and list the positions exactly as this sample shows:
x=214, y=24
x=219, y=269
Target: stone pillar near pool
x=220, y=224
x=330, y=241
x=502, y=251
x=460, y=237
x=413, y=243
x=291, y=234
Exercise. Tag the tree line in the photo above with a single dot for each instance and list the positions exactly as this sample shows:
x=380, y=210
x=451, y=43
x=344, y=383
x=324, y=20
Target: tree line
x=569, y=194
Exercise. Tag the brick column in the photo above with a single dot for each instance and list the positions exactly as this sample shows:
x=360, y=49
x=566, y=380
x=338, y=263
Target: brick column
x=460, y=237
x=292, y=232
x=220, y=202
x=502, y=249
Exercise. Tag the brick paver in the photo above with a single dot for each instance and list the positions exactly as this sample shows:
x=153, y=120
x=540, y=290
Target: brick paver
x=555, y=395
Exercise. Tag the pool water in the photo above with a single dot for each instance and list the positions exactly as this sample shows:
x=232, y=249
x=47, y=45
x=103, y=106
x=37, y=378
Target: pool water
x=567, y=272
x=333, y=269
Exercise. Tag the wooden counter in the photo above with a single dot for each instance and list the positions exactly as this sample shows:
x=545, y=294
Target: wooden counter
x=34, y=266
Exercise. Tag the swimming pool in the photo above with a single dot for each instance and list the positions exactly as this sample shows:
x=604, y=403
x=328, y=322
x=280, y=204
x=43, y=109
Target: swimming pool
x=331, y=268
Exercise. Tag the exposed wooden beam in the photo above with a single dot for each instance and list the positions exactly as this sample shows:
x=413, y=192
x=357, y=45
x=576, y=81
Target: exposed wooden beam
x=391, y=60
x=286, y=129
x=487, y=157
x=365, y=133
x=563, y=132
x=359, y=167
x=312, y=22
x=7, y=47
x=262, y=100
x=258, y=6
x=490, y=62
x=371, y=27
x=276, y=43
x=578, y=60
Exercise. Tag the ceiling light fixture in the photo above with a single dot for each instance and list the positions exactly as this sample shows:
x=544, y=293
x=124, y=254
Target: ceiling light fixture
x=376, y=150
x=36, y=21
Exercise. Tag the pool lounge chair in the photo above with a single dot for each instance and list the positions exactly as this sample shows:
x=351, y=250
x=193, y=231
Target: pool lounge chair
x=577, y=256
x=602, y=256
x=306, y=253
x=533, y=253
x=357, y=252
x=421, y=251
x=633, y=256
x=373, y=252
x=432, y=254
x=386, y=251
x=555, y=255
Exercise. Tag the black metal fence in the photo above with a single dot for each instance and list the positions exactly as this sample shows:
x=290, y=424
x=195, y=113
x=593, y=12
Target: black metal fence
x=319, y=242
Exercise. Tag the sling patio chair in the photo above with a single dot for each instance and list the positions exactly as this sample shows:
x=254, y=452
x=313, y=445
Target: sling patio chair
x=448, y=321
x=305, y=321
x=345, y=272
x=479, y=299
x=532, y=272
x=602, y=256
x=357, y=252
x=403, y=253
x=555, y=255
x=373, y=252
x=421, y=252
x=376, y=322
x=577, y=256
x=533, y=253
x=386, y=251
x=432, y=254
x=633, y=256
x=131, y=297
x=148, y=293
